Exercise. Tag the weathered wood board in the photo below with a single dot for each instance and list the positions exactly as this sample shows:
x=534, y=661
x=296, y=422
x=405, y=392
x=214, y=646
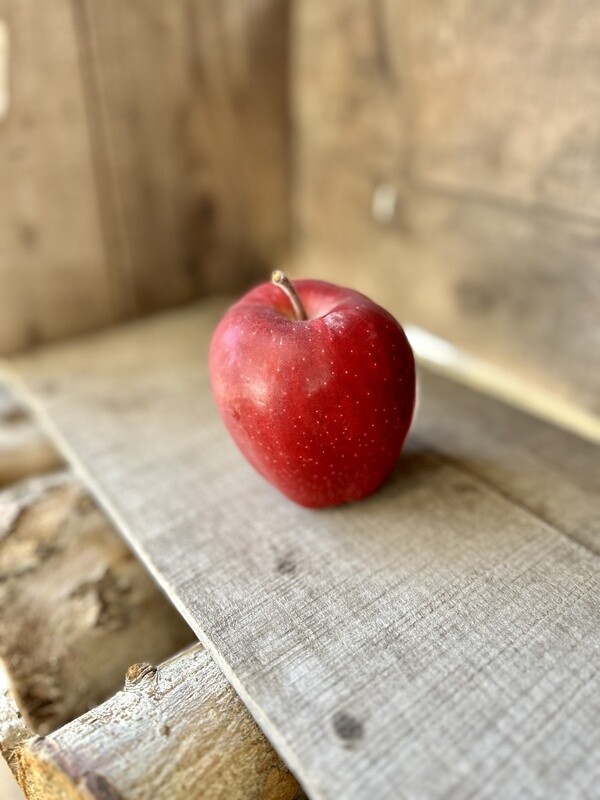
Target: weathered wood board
x=549, y=471
x=447, y=164
x=438, y=640
x=175, y=732
x=188, y=121
x=69, y=590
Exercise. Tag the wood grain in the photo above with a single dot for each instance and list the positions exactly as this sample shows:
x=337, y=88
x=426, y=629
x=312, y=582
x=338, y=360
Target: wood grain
x=188, y=104
x=143, y=158
x=547, y=470
x=175, y=732
x=489, y=154
x=76, y=607
x=53, y=277
x=500, y=99
x=71, y=590
x=436, y=640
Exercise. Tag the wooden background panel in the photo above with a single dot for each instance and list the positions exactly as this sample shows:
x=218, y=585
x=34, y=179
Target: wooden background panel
x=54, y=276
x=436, y=640
x=147, y=152
x=189, y=107
x=347, y=91
x=517, y=283
x=520, y=289
x=242, y=71
x=504, y=98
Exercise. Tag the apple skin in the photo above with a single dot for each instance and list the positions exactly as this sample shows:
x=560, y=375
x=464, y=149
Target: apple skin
x=320, y=407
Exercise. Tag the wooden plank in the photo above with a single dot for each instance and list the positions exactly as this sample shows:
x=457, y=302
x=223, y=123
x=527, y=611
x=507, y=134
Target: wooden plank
x=549, y=471
x=145, y=152
x=475, y=252
x=70, y=589
x=175, y=732
x=239, y=136
x=499, y=98
x=485, y=377
x=53, y=276
x=190, y=110
x=436, y=640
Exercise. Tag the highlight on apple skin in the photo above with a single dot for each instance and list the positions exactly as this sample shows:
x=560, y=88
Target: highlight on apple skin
x=316, y=385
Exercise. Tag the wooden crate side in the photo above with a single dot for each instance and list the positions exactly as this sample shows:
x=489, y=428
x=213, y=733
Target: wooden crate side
x=189, y=103
x=53, y=267
x=502, y=97
x=146, y=158
x=495, y=256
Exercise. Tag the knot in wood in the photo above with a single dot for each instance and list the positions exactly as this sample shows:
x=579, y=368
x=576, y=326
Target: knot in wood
x=137, y=673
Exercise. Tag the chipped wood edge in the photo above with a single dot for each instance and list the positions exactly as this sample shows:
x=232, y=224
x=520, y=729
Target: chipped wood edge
x=182, y=715
x=14, y=731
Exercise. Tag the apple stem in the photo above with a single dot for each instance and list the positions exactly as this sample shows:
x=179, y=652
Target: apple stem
x=280, y=279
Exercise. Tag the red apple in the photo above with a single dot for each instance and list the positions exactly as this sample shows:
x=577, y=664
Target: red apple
x=316, y=385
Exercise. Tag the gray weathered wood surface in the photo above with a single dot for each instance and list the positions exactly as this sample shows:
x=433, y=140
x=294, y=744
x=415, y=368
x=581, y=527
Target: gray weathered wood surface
x=439, y=640
x=76, y=610
x=552, y=473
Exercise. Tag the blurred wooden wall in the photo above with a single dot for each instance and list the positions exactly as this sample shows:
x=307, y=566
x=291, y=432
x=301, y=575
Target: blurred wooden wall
x=448, y=163
x=143, y=156
x=446, y=160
